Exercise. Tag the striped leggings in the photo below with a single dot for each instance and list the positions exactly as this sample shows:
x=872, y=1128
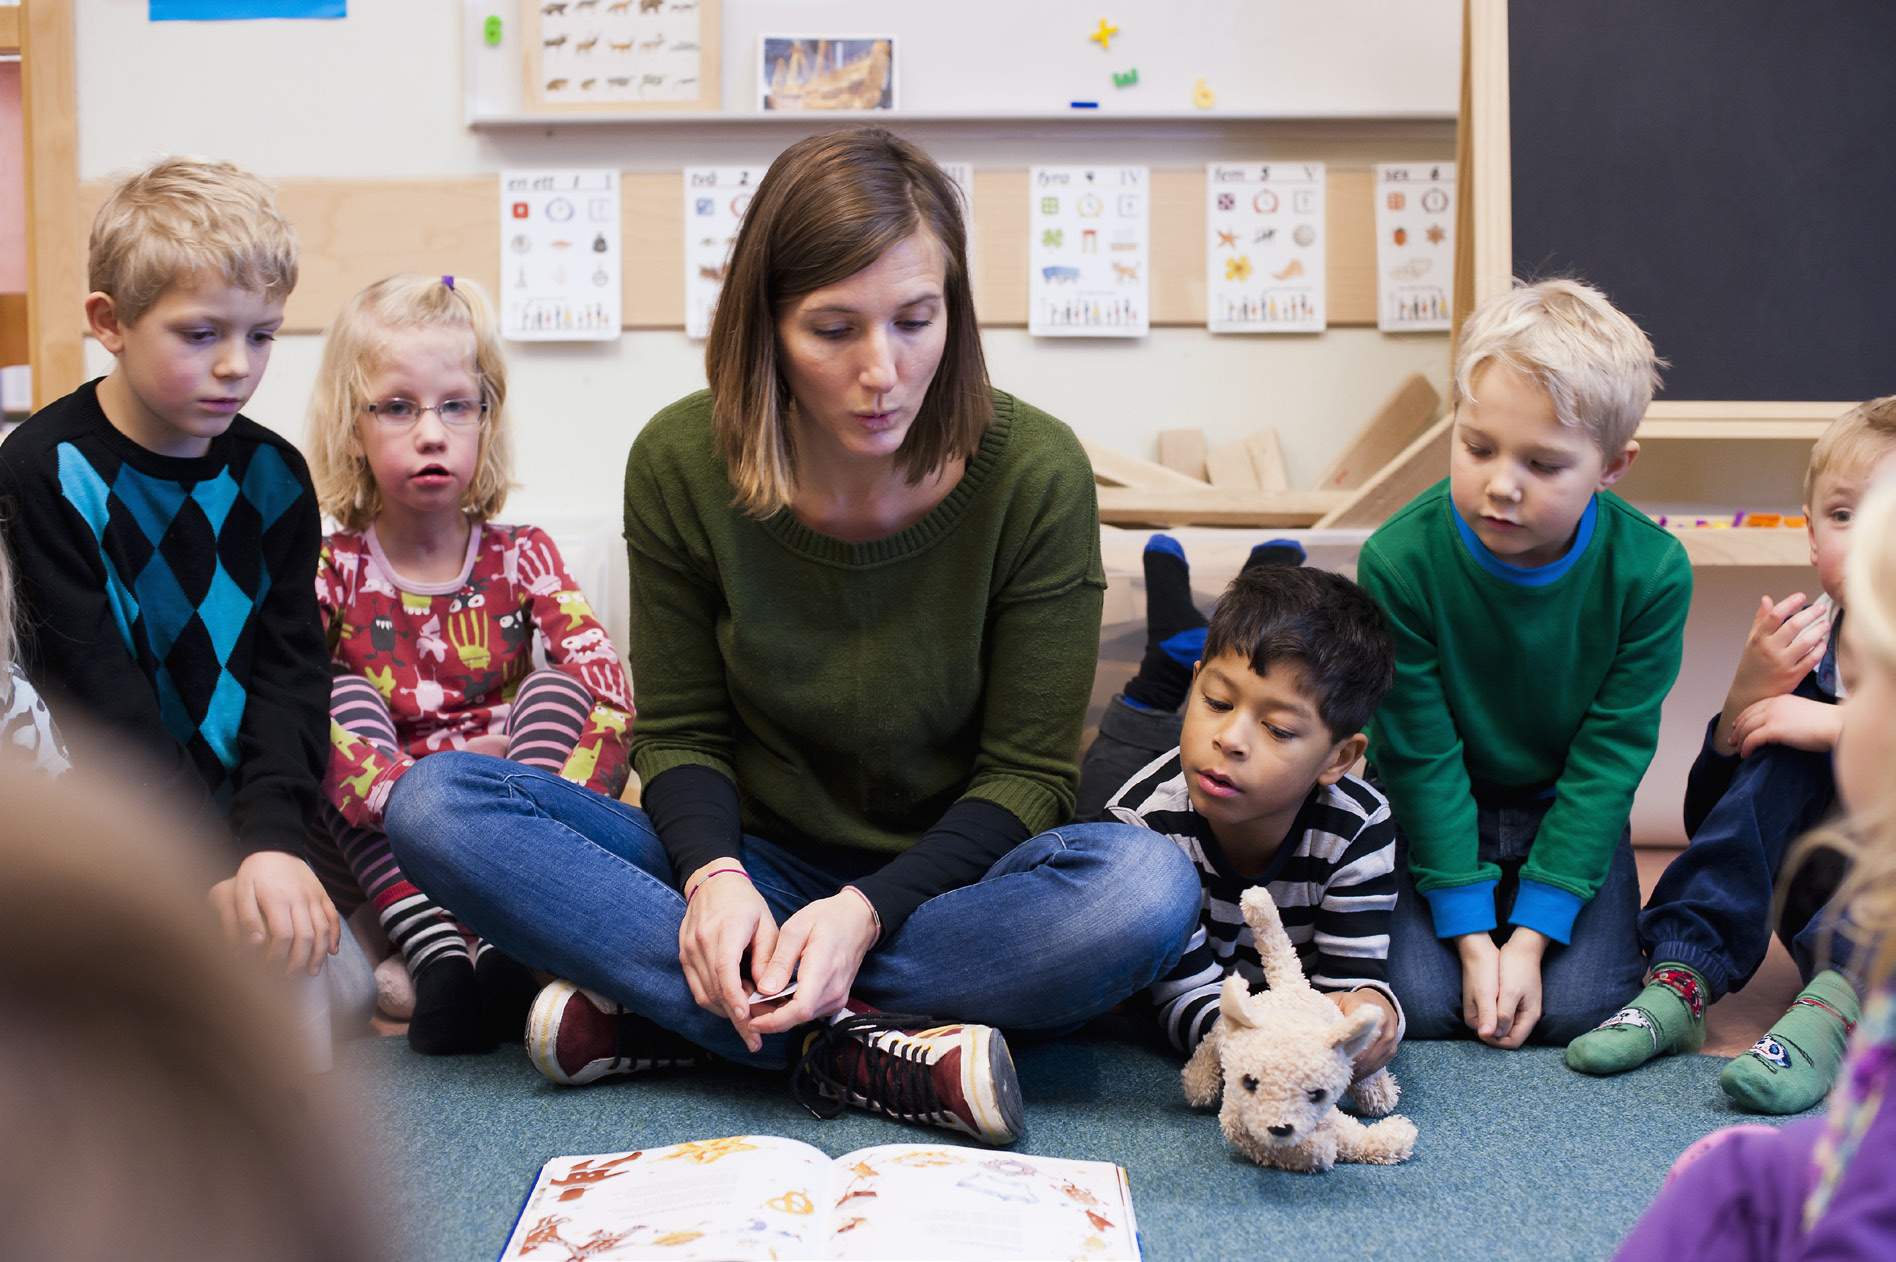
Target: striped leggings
x=355, y=865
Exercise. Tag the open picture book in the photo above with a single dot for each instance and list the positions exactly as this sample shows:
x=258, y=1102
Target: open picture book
x=760, y=1196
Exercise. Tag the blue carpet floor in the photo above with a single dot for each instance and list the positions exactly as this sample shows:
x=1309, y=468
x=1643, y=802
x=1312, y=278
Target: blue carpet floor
x=1518, y=1156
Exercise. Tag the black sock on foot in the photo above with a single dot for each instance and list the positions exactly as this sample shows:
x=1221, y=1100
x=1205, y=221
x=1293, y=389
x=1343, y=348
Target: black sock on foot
x=1275, y=552
x=507, y=990
x=1163, y=680
x=447, y=1016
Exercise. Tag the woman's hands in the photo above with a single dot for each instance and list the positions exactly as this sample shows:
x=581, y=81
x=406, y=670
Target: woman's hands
x=725, y=916
x=821, y=947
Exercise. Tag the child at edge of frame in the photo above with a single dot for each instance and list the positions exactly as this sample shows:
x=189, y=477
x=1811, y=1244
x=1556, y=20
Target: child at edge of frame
x=165, y=546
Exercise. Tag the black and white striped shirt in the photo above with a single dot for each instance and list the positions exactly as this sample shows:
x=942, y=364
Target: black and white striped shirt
x=1333, y=880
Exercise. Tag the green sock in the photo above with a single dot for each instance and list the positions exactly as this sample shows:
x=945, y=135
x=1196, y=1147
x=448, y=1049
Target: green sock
x=1794, y=1064
x=1668, y=1016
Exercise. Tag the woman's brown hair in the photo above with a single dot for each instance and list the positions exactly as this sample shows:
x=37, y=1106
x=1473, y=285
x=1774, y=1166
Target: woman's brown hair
x=829, y=206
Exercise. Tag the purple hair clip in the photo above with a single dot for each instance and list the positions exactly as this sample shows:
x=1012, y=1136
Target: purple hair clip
x=448, y=281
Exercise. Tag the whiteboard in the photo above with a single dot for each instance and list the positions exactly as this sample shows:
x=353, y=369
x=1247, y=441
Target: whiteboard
x=1034, y=58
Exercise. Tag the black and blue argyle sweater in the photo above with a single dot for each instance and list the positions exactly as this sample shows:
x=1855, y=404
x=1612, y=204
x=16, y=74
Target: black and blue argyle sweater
x=171, y=600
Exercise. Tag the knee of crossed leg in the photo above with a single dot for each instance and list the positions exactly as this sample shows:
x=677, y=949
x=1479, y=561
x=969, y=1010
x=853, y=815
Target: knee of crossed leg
x=435, y=807
x=1146, y=894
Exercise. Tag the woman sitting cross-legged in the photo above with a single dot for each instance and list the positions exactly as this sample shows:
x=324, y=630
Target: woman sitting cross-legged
x=866, y=592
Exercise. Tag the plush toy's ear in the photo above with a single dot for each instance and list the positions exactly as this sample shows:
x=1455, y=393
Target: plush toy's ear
x=1232, y=1005
x=1357, y=1031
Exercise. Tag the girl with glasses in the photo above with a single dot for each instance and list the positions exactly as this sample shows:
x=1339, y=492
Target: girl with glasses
x=432, y=612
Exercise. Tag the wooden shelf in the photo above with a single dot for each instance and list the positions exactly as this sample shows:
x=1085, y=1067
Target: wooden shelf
x=1742, y=545
x=1720, y=420
x=9, y=29
x=1213, y=506
x=899, y=118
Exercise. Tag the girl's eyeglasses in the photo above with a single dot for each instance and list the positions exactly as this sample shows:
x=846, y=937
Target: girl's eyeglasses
x=399, y=414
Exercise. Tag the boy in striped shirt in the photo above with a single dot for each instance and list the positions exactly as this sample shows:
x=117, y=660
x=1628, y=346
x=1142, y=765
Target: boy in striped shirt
x=1259, y=793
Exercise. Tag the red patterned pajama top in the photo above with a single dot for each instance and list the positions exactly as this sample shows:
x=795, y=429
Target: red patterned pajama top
x=447, y=656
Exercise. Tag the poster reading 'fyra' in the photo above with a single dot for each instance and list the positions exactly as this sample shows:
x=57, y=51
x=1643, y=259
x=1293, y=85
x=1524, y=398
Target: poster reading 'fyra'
x=559, y=255
x=1088, y=230
x=1415, y=245
x=1264, y=249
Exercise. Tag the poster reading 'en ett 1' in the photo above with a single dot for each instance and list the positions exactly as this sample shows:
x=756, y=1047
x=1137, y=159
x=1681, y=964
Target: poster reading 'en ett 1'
x=1088, y=234
x=559, y=255
x=1264, y=248
x=1415, y=245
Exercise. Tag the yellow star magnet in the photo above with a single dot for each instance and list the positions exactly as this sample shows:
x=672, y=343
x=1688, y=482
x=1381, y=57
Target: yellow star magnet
x=1104, y=35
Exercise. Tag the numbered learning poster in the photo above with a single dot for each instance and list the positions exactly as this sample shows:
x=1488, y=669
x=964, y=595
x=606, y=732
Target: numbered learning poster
x=559, y=255
x=962, y=173
x=1264, y=247
x=1087, y=249
x=1415, y=245
x=715, y=198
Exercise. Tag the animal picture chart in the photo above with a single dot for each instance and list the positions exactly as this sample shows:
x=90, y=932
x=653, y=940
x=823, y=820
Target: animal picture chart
x=715, y=200
x=1088, y=234
x=621, y=55
x=560, y=271
x=1265, y=247
x=1415, y=245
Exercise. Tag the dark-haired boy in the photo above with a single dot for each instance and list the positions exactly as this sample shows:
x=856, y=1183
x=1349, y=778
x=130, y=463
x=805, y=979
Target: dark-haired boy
x=1259, y=793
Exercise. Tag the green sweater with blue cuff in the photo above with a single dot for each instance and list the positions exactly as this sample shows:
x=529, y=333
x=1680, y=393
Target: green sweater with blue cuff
x=1515, y=684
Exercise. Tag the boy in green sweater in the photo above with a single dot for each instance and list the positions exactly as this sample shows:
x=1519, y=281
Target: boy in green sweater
x=1538, y=622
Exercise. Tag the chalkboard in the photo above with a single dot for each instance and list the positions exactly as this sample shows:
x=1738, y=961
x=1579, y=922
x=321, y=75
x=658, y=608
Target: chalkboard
x=1726, y=171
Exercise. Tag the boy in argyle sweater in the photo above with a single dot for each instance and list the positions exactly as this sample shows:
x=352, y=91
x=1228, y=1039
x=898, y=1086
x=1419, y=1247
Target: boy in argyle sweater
x=165, y=543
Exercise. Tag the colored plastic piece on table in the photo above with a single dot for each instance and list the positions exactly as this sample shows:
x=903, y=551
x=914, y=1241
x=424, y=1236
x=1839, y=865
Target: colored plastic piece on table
x=1762, y=520
x=490, y=31
x=1104, y=35
x=1086, y=105
x=1127, y=80
x=1202, y=96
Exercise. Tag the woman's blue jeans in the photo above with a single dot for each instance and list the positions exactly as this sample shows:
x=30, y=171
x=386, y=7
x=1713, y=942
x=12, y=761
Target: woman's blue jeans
x=1063, y=927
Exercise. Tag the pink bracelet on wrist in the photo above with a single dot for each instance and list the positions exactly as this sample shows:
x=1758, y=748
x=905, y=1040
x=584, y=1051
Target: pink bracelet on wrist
x=707, y=876
x=874, y=917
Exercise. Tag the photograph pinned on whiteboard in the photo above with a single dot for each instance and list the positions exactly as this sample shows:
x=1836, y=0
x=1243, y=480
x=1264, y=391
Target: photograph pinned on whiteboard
x=852, y=72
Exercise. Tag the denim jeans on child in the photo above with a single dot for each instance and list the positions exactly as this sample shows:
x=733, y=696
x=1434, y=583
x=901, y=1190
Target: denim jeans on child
x=1711, y=911
x=1582, y=983
x=1064, y=926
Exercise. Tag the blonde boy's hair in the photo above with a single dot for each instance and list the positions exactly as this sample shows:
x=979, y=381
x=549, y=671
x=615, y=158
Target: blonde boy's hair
x=357, y=346
x=1596, y=365
x=1854, y=441
x=184, y=219
x=1868, y=837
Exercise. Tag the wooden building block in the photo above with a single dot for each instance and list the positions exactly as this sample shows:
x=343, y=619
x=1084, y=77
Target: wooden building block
x=1230, y=466
x=1214, y=506
x=1267, y=460
x=1420, y=466
x=1183, y=450
x=1402, y=416
x=1116, y=468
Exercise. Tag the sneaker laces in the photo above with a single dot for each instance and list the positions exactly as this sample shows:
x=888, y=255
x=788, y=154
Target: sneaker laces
x=895, y=1081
